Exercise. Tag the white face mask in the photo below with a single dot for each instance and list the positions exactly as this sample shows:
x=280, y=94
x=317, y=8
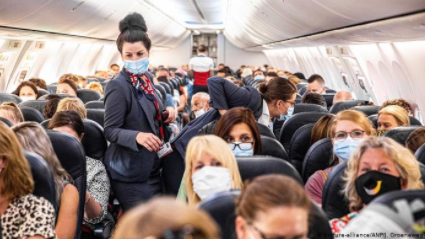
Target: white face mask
x=27, y=98
x=210, y=180
x=199, y=113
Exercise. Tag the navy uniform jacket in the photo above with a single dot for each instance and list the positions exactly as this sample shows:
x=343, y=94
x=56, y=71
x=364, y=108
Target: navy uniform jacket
x=127, y=113
x=223, y=95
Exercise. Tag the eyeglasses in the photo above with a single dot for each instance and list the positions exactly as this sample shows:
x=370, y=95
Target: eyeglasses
x=262, y=235
x=292, y=103
x=242, y=146
x=341, y=135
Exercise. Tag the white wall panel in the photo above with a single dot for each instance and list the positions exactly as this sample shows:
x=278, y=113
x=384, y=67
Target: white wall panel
x=174, y=57
x=234, y=57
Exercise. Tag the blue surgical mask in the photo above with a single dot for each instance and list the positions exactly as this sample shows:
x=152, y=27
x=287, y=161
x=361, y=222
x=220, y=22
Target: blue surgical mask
x=238, y=152
x=344, y=149
x=288, y=115
x=137, y=67
x=259, y=77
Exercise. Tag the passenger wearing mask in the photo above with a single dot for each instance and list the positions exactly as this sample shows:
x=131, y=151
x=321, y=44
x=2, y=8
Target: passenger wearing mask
x=26, y=91
x=272, y=206
x=166, y=218
x=270, y=75
x=97, y=193
x=416, y=139
x=316, y=84
x=33, y=138
x=40, y=83
x=239, y=129
x=68, y=87
x=400, y=102
x=348, y=129
x=379, y=165
x=210, y=168
x=134, y=120
x=114, y=69
x=392, y=117
x=23, y=215
x=11, y=111
x=342, y=96
x=200, y=103
x=258, y=75
x=73, y=104
x=322, y=129
x=201, y=69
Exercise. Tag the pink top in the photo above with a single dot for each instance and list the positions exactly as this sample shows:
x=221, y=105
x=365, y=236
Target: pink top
x=315, y=184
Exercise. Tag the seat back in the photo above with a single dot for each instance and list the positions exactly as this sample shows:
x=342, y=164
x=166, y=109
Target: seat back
x=254, y=166
x=94, y=141
x=162, y=91
x=71, y=155
x=62, y=96
x=31, y=114
x=272, y=147
x=318, y=157
x=6, y=121
x=330, y=91
x=334, y=203
x=265, y=131
x=221, y=207
x=329, y=98
x=44, y=184
x=35, y=104
x=294, y=123
x=97, y=104
x=302, y=90
x=52, y=89
x=6, y=97
x=413, y=120
x=97, y=115
x=345, y=105
x=87, y=95
x=301, y=85
x=42, y=92
x=166, y=87
x=420, y=154
x=299, y=145
x=401, y=133
x=300, y=108
x=367, y=110
x=298, y=99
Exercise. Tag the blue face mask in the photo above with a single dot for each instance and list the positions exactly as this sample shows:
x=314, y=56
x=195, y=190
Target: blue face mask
x=288, y=115
x=238, y=152
x=344, y=149
x=137, y=67
x=259, y=77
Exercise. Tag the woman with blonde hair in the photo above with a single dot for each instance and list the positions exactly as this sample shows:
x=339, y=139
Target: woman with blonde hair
x=33, y=138
x=11, y=111
x=23, y=214
x=96, y=86
x=211, y=167
x=378, y=166
x=166, y=218
x=73, y=104
x=391, y=117
x=348, y=128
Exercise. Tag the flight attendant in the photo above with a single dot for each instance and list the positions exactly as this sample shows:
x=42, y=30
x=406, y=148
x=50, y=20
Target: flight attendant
x=134, y=119
x=201, y=69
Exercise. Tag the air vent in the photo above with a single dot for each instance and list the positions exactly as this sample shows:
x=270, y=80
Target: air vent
x=15, y=44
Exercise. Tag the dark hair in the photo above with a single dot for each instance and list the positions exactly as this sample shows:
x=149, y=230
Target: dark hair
x=238, y=82
x=300, y=75
x=221, y=64
x=416, y=139
x=253, y=73
x=277, y=89
x=29, y=84
x=236, y=116
x=114, y=65
x=316, y=77
x=222, y=70
x=70, y=77
x=272, y=74
x=67, y=118
x=133, y=29
x=161, y=68
x=40, y=83
x=313, y=98
x=202, y=48
x=69, y=82
x=400, y=102
x=162, y=79
x=51, y=107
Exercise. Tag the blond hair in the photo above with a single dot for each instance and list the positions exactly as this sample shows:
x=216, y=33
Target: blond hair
x=217, y=148
x=73, y=104
x=96, y=86
x=398, y=113
x=166, y=215
x=16, y=177
x=406, y=164
x=13, y=112
x=357, y=118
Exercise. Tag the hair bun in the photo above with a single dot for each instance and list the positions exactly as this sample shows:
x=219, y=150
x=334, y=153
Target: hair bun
x=133, y=21
x=263, y=88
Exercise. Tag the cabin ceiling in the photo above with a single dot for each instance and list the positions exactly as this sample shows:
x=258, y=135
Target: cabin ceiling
x=248, y=24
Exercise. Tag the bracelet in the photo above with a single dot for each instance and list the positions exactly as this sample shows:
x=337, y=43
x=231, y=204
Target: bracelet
x=88, y=199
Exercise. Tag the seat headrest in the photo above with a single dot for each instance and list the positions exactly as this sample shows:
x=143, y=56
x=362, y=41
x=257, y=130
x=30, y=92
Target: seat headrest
x=299, y=108
x=6, y=121
x=62, y=96
x=420, y=154
x=374, y=120
x=334, y=202
x=318, y=157
x=161, y=89
x=367, y=110
x=265, y=131
x=414, y=121
x=103, y=84
x=299, y=145
x=167, y=88
x=298, y=99
x=302, y=90
x=52, y=89
x=31, y=114
x=329, y=98
x=6, y=97
x=42, y=92
x=272, y=147
x=295, y=122
x=44, y=184
x=301, y=85
x=401, y=133
x=94, y=141
x=35, y=104
x=87, y=95
x=254, y=166
x=345, y=105
x=330, y=91
x=98, y=104
x=97, y=115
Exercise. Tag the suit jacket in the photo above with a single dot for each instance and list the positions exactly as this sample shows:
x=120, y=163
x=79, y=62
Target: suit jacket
x=223, y=95
x=128, y=112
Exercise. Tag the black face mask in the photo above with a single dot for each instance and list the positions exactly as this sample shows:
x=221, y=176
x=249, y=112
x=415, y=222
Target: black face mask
x=374, y=184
